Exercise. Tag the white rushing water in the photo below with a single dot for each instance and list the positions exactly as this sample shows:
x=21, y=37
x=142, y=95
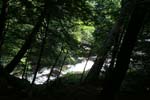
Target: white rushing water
x=79, y=67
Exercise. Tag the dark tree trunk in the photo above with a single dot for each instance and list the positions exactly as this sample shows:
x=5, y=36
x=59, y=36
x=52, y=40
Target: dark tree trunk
x=115, y=50
x=41, y=52
x=127, y=8
x=123, y=59
x=88, y=57
x=54, y=65
x=11, y=66
x=93, y=74
x=98, y=64
x=3, y=16
x=58, y=81
x=61, y=67
x=1, y=70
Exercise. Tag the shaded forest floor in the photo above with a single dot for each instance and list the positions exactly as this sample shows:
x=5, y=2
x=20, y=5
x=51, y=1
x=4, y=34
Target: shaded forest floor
x=17, y=89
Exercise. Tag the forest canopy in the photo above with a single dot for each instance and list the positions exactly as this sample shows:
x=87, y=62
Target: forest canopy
x=73, y=24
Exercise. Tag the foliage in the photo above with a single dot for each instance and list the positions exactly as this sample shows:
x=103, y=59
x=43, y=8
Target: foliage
x=71, y=26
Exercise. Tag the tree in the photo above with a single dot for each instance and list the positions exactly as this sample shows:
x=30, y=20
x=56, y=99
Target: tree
x=41, y=52
x=111, y=37
x=60, y=20
x=10, y=67
x=3, y=17
x=113, y=84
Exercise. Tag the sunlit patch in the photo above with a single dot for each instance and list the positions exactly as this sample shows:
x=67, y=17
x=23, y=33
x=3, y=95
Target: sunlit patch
x=79, y=67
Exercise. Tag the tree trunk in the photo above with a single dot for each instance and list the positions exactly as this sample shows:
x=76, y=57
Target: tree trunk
x=98, y=64
x=115, y=50
x=123, y=59
x=54, y=65
x=40, y=55
x=88, y=57
x=3, y=16
x=125, y=11
x=11, y=66
x=61, y=67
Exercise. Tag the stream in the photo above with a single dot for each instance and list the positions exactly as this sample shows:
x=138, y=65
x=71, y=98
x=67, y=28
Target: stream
x=77, y=68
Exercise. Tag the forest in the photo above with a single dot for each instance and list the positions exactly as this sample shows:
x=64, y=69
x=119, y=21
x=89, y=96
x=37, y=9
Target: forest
x=74, y=50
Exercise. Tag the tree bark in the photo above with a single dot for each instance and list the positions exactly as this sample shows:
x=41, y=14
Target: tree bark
x=123, y=59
